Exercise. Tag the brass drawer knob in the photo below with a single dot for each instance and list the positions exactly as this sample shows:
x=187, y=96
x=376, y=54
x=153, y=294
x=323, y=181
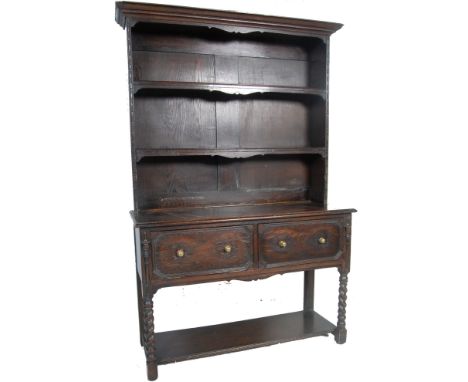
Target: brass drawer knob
x=180, y=253
x=322, y=240
x=282, y=243
x=228, y=248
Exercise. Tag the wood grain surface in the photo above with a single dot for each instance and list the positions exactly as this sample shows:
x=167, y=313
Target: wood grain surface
x=203, y=251
x=302, y=242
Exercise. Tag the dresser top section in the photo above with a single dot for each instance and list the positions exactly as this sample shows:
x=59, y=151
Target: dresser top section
x=128, y=14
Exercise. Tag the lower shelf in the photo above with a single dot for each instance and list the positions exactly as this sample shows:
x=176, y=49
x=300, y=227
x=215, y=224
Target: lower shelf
x=185, y=344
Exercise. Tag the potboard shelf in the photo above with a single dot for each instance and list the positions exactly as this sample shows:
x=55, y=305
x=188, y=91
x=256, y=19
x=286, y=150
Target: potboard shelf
x=186, y=344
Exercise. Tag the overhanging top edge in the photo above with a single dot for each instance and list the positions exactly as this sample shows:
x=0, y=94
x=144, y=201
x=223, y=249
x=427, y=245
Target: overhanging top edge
x=127, y=14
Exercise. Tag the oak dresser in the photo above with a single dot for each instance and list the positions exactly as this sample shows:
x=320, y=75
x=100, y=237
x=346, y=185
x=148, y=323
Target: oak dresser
x=229, y=146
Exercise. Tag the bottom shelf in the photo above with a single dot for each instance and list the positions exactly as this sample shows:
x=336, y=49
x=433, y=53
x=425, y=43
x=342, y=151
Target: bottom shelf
x=185, y=344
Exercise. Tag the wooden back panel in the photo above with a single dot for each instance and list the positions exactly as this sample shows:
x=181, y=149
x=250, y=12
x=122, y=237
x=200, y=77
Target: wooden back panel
x=194, y=181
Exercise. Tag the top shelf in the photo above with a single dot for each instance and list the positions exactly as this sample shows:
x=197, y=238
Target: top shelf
x=225, y=88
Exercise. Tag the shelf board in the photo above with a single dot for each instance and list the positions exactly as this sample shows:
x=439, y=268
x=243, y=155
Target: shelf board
x=236, y=213
x=186, y=344
x=228, y=153
x=225, y=88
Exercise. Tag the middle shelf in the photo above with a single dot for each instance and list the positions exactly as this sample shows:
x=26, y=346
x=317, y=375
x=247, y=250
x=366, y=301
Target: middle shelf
x=139, y=86
x=227, y=153
x=203, y=120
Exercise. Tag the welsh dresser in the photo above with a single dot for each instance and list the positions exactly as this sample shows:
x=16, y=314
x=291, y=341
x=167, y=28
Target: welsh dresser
x=229, y=148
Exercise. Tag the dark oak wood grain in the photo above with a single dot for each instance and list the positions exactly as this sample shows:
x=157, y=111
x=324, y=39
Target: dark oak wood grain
x=201, y=251
x=175, y=122
x=169, y=182
x=281, y=243
x=264, y=122
x=162, y=66
x=200, y=68
x=216, y=42
x=229, y=148
x=161, y=183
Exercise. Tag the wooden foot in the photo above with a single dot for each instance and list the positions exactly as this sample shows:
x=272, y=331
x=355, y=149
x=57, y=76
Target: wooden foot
x=340, y=336
x=152, y=371
x=340, y=331
x=149, y=338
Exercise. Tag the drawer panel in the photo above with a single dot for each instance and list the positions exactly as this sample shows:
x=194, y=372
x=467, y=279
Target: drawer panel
x=281, y=244
x=201, y=251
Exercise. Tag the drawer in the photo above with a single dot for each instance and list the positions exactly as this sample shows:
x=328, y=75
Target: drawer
x=201, y=251
x=282, y=244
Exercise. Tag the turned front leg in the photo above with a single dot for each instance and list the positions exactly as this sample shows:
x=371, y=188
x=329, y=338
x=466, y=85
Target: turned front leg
x=149, y=338
x=140, y=310
x=340, y=331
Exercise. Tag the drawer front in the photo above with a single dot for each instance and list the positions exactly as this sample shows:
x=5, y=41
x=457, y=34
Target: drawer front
x=201, y=251
x=281, y=244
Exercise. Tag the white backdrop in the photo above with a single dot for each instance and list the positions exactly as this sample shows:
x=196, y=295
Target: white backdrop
x=398, y=122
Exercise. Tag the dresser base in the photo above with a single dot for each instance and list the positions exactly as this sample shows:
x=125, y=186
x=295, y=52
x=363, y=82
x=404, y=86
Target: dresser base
x=176, y=250
x=186, y=344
